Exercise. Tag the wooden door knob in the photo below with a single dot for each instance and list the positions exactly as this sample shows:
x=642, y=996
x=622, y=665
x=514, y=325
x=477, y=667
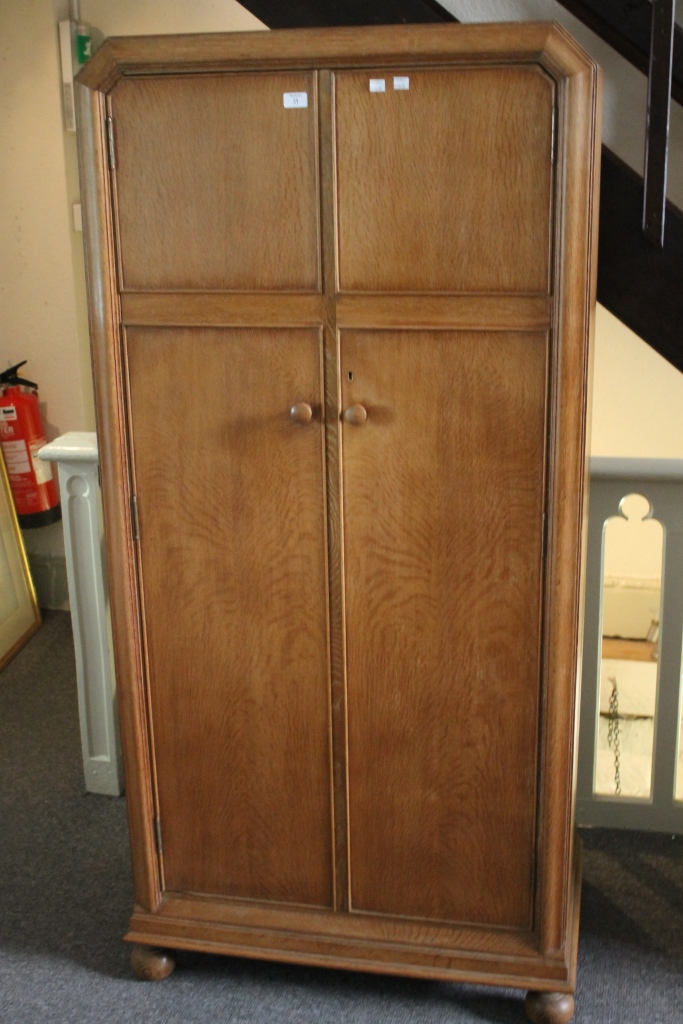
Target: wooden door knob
x=301, y=412
x=356, y=414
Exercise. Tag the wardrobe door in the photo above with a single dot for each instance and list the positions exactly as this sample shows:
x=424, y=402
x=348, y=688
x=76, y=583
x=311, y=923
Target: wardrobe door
x=217, y=214
x=443, y=499
x=232, y=543
x=444, y=195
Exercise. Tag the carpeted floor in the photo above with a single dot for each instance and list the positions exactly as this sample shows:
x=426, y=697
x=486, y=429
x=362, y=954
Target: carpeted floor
x=65, y=896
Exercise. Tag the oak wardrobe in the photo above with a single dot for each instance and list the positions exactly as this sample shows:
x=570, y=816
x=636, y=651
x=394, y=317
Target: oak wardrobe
x=341, y=285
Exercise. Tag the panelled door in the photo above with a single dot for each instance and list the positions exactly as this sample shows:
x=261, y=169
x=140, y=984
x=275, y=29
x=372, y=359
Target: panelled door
x=444, y=210
x=334, y=291
x=218, y=210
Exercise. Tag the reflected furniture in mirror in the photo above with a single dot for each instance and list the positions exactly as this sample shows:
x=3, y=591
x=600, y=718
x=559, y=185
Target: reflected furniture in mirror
x=630, y=752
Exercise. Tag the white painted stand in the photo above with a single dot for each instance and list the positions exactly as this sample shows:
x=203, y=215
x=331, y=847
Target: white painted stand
x=77, y=462
x=661, y=482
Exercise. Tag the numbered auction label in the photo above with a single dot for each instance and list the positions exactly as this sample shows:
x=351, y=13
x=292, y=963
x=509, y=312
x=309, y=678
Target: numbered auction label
x=294, y=99
x=377, y=85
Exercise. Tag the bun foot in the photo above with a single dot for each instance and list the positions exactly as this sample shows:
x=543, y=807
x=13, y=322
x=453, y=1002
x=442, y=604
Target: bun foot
x=549, y=1007
x=152, y=964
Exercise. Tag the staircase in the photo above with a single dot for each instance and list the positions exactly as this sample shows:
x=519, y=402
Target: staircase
x=640, y=283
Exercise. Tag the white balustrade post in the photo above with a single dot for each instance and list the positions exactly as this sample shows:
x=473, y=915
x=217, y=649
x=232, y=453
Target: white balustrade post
x=601, y=505
x=661, y=482
x=77, y=462
x=670, y=509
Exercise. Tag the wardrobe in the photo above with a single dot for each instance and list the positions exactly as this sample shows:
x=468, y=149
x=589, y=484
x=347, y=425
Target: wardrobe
x=341, y=286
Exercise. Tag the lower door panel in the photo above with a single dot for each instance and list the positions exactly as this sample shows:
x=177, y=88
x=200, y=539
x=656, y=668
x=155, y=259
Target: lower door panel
x=230, y=493
x=443, y=529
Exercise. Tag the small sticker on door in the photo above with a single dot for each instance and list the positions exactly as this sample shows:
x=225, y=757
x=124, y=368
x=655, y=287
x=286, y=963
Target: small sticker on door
x=401, y=82
x=294, y=99
x=377, y=85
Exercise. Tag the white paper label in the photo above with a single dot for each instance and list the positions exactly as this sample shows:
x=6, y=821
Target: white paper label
x=401, y=82
x=16, y=457
x=42, y=469
x=377, y=85
x=294, y=99
x=8, y=412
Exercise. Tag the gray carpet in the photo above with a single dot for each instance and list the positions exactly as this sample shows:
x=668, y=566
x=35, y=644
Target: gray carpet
x=65, y=896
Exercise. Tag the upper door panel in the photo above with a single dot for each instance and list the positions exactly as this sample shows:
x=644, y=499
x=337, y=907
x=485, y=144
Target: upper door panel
x=444, y=179
x=216, y=183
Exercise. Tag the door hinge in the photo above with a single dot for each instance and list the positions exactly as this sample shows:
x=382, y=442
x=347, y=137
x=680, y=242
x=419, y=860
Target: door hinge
x=552, y=136
x=157, y=835
x=110, y=144
x=134, y=518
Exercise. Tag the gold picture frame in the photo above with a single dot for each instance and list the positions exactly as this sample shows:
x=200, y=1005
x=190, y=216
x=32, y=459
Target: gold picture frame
x=19, y=612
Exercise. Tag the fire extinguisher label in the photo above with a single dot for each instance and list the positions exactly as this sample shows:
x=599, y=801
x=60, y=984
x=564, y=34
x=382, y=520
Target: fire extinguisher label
x=42, y=470
x=8, y=412
x=16, y=457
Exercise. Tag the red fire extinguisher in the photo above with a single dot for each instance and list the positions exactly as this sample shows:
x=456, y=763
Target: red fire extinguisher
x=22, y=436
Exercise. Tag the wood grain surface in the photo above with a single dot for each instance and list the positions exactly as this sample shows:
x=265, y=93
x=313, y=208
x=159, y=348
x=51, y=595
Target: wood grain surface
x=333, y=438
x=486, y=312
x=513, y=312
x=114, y=464
x=221, y=309
x=450, y=180
x=575, y=274
x=346, y=646
x=367, y=942
x=541, y=43
x=443, y=525
x=217, y=183
x=230, y=498
x=150, y=963
x=628, y=650
x=549, y=1007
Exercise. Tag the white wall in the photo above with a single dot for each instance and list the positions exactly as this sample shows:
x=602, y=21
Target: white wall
x=43, y=314
x=637, y=413
x=42, y=292
x=149, y=17
x=637, y=396
x=37, y=303
x=38, y=307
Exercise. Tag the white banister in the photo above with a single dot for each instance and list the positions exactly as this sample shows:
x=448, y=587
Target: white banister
x=660, y=481
x=603, y=468
x=78, y=466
